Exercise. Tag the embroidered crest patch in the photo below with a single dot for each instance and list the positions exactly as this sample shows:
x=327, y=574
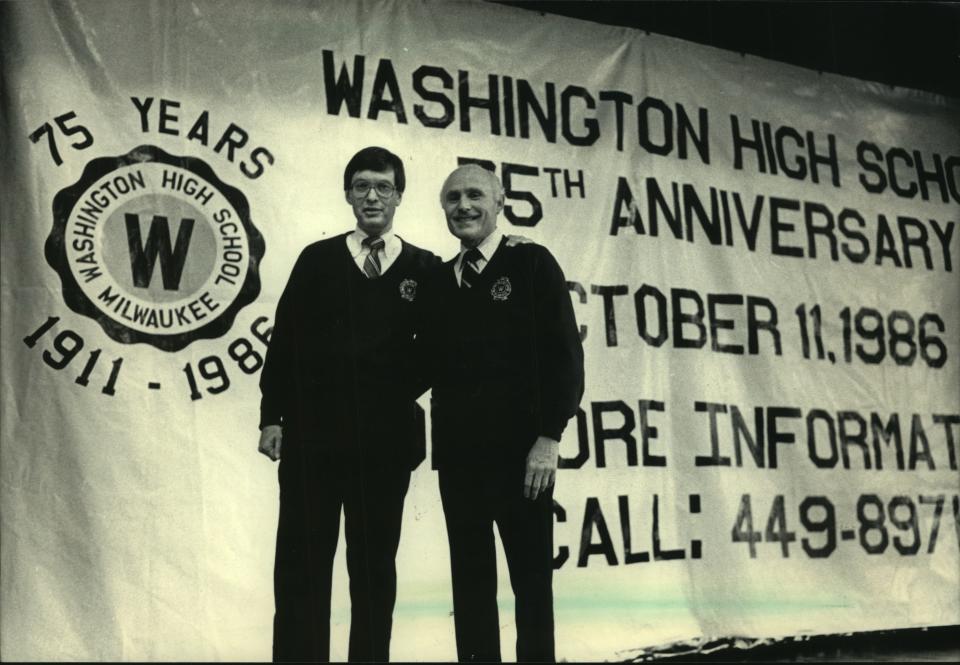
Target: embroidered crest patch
x=408, y=289
x=501, y=289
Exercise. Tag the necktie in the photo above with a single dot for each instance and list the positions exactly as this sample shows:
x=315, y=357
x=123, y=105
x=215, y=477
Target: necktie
x=371, y=265
x=469, y=272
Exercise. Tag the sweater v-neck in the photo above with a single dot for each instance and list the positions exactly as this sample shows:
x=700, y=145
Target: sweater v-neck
x=345, y=252
x=484, y=275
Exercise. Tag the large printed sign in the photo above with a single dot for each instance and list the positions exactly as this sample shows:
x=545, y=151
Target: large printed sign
x=214, y=270
x=762, y=260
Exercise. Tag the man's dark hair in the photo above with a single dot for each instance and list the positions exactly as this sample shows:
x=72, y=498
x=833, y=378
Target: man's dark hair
x=377, y=159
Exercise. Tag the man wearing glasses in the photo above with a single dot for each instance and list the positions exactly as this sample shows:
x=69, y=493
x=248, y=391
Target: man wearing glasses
x=337, y=411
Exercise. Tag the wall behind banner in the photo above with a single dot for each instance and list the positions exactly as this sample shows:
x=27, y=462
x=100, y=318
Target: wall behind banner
x=763, y=261
x=901, y=44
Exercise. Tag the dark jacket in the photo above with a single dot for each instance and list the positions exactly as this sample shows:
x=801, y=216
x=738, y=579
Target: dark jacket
x=504, y=358
x=340, y=359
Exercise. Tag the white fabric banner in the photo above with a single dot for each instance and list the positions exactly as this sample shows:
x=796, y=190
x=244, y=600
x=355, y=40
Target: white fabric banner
x=763, y=261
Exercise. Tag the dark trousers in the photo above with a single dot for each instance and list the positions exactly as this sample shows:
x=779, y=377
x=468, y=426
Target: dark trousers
x=473, y=500
x=309, y=526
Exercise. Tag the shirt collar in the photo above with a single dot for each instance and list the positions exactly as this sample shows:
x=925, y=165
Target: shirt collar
x=487, y=246
x=356, y=238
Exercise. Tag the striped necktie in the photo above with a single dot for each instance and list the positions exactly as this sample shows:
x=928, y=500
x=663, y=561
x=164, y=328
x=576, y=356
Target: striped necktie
x=371, y=265
x=468, y=268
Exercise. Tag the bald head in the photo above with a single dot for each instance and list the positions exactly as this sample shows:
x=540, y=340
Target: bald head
x=477, y=173
x=471, y=198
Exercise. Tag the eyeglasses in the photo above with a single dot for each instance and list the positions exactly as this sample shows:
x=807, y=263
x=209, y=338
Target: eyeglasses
x=360, y=188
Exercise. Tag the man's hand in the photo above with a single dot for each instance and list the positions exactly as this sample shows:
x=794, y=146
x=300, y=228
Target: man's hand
x=271, y=437
x=541, y=467
x=514, y=240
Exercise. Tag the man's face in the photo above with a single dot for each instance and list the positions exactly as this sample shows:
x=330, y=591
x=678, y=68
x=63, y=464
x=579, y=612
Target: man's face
x=471, y=199
x=374, y=212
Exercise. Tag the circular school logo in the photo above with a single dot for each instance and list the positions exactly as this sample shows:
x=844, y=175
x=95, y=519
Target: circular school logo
x=156, y=248
x=501, y=289
x=408, y=289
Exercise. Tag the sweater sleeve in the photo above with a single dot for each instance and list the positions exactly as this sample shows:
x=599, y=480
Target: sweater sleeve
x=559, y=351
x=277, y=375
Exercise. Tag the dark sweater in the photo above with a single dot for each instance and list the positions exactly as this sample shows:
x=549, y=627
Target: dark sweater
x=339, y=365
x=505, y=358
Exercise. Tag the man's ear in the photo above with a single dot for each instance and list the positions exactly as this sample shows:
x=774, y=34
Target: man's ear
x=346, y=196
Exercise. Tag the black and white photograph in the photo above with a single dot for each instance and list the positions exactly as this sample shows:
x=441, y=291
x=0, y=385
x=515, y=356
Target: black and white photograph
x=479, y=331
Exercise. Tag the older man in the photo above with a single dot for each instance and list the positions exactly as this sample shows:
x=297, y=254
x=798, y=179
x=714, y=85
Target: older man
x=507, y=369
x=338, y=412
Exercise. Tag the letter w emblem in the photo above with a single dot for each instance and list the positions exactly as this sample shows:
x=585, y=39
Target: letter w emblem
x=144, y=257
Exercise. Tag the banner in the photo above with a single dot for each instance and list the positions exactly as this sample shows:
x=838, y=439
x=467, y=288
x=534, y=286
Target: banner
x=762, y=260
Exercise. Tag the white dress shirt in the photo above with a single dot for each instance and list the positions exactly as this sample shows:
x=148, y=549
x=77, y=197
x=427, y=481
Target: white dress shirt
x=488, y=246
x=388, y=254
